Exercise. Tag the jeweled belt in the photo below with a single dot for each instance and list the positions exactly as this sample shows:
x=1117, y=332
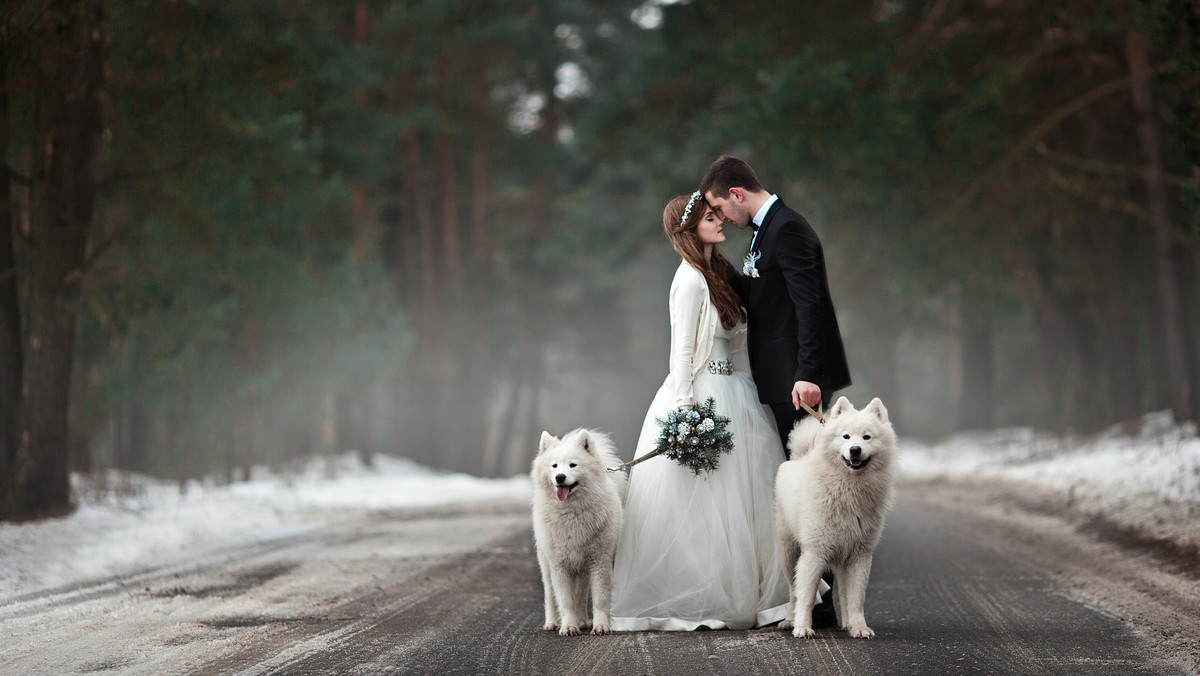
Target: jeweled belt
x=721, y=368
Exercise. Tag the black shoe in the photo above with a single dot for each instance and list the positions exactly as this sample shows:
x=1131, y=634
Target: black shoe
x=823, y=614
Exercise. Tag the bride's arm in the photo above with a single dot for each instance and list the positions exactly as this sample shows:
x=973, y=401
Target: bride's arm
x=686, y=299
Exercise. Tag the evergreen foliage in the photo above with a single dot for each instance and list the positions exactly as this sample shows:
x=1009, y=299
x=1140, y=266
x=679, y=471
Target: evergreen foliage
x=976, y=172
x=323, y=226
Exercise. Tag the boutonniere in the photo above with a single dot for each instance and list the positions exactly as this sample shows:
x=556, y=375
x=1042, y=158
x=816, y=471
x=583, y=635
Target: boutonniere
x=748, y=268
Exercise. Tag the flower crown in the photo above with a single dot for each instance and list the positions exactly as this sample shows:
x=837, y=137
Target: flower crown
x=688, y=209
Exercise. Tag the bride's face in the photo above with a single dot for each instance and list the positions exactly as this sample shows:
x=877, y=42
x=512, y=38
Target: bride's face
x=711, y=229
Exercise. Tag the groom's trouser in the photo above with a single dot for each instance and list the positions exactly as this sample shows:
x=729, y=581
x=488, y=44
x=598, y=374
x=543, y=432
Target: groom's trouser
x=786, y=416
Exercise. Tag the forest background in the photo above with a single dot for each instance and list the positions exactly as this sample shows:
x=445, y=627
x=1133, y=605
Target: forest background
x=245, y=232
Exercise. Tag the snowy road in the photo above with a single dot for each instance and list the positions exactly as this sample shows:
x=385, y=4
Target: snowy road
x=969, y=579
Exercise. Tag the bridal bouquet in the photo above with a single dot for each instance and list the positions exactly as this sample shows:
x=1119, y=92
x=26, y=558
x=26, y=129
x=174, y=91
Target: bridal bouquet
x=694, y=437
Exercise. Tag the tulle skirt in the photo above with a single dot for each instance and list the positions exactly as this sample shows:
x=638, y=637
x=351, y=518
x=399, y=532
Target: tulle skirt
x=701, y=550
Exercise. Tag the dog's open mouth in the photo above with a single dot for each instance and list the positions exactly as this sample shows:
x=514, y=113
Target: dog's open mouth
x=563, y=492
x=856, y=463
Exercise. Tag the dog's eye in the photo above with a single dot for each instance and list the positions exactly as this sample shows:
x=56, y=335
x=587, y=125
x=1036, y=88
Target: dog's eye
x=866, y=437
x=554, y=465
x=571, y=465
x=845, y=436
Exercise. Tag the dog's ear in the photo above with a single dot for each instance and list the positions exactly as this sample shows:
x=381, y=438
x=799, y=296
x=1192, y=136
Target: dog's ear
x=842, y=405
x=876, y=408
x=585, y=441
x=547, y=440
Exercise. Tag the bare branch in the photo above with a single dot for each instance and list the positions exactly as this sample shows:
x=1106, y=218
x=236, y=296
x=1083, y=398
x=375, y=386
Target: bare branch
x=101, y=249
x=1109, y=168
x=1110, y=203
x=1042, y=129
x=929, y=25
x=19, y=179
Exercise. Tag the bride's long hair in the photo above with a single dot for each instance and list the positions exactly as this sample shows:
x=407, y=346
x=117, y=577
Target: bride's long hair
x=687, y=244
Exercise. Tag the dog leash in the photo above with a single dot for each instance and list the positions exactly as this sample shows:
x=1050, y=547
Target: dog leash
x=626, y=465
x=813, y=413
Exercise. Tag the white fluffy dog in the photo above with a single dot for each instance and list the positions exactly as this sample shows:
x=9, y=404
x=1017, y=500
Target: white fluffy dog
x=577, y=518
x=831, y=500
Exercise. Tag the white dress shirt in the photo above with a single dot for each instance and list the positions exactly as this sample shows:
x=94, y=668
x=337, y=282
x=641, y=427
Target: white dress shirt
x=762, y=214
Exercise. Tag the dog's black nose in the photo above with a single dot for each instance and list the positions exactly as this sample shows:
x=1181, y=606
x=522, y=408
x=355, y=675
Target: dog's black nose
x=560, y=478
x=855, y=451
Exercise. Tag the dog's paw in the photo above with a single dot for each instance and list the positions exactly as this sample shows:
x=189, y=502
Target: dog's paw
x=804, y=632
x=569, y=630
x=585, y=625
x=601, y=630
x=785, y=625
x=550, y=626
x=862, y=632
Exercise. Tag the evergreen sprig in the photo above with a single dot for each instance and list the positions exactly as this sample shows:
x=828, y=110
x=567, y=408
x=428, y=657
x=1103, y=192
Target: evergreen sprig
x=694, y=437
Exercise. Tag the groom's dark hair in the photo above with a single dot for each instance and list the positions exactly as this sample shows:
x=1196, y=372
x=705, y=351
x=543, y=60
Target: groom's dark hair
x=729, y=172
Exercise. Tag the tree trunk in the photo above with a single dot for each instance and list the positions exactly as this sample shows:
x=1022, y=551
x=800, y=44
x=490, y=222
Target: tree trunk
x=480, y=174
x=446, y=189
x=419, y=229
x=414, y=188
x=1120, y=344
x=10, y=313
x=68, y=121
x=1050, y=375
x=1084, y=410
x=1149, y=135
x=524, y=421
x=884, y=374
x=975, y=407
x=498, y=417
x=450, y=380
x=1194, y=301
x=1111, y=246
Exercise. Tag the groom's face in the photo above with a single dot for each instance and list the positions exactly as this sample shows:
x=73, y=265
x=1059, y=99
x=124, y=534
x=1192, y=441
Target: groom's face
x=728, y=207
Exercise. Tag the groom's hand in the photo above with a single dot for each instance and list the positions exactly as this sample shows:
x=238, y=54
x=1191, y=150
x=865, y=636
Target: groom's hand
x=807, y=392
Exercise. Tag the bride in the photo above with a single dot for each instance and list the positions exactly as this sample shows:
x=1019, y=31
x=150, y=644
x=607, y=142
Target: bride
x=700, y=551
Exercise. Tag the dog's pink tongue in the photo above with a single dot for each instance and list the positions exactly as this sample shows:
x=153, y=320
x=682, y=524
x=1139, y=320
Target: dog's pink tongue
x=563, y=492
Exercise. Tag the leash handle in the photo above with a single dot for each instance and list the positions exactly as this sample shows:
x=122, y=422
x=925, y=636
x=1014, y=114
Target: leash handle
x=813, y=413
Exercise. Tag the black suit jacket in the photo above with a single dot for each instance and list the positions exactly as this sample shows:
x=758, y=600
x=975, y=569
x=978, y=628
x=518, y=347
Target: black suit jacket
x=793, y=330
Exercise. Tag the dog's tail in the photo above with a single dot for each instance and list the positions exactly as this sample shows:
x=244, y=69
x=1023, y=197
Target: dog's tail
x=802, y=437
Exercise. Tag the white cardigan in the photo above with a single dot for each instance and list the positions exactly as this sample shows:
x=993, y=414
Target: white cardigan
x=694, y=322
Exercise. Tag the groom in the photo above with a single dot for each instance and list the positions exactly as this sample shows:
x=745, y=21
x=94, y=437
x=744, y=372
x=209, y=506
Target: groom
x=796, y=351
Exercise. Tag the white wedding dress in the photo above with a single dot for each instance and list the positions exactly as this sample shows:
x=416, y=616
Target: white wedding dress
x=700, y=550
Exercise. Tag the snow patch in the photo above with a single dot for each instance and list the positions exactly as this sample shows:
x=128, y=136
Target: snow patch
x=126, y=522
x=1154, y=457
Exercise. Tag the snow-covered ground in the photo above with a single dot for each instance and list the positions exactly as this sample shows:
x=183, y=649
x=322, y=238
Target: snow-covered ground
x=1151, y=458
x=139, y=523
x=143, y=523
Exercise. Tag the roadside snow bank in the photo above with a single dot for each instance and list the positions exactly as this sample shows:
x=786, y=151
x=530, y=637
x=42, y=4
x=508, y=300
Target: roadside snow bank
x=1156, y=458
x=1137, y=482
x=129, y=522
x=1144, y=476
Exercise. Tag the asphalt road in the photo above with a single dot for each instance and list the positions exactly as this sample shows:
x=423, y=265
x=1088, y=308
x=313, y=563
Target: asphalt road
x=456, y=591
